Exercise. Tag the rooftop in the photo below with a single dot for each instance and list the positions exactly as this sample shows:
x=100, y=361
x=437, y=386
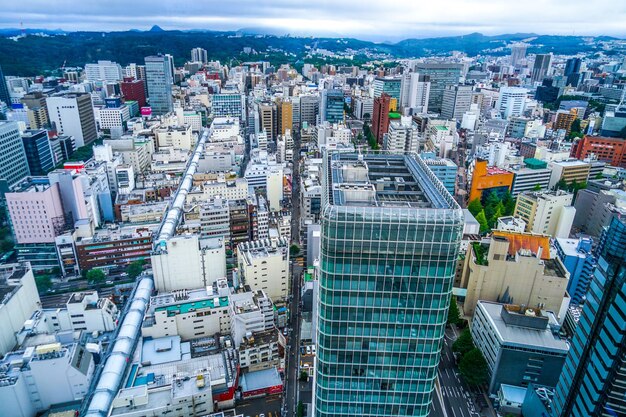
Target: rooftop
x=516, y=336
x=385, y=180
x=260, y=379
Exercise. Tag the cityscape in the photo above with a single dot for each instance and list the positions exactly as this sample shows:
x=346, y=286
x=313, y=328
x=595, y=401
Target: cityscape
x=243, y=215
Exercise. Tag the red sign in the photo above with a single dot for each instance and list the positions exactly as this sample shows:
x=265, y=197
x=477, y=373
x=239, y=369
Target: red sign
x=146, y=111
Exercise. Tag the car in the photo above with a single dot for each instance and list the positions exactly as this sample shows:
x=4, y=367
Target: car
x=308, y=350
x=261, y=415
x=313, y=349
x=124, y=274
x=109, y=282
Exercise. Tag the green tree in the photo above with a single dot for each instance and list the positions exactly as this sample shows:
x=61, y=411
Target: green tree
x=135, y=269
x=498, y=212
x=575, y=127
x=561, y=185
x=473, y=368
x=475, y=207
x=537, y=187
x=482, y=220
x=294, y=250
x=300, y=409
x=367, y=116
x=509, y=204
x=304, y=376
x=43, y=282
x=463, y=343
x=454, y=315
x=95, y=276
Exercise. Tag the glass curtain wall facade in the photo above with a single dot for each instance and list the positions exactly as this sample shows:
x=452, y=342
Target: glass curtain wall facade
x=388, y=256
x=593, y=381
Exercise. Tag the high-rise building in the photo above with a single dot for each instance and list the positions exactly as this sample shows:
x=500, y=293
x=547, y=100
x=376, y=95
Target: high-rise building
x=228, y=105
x=170, y=65
x=199, y=55
x=13, y=163
x=332, y=106
x=440, y=74
x=593, y=381
x=72, y=114
x=388, y=85
x=4, y=90
x=418, y=93
x=267, y=117
x=309, y=109
x=388, y=254
x=380, y=117
x=403, y=136
x=134, y=90
x=541, y=67
x=518, y=52
x=456, y=101
x=572, y=71
x=577, y=257
x=37, y=110
x=108, y=71
x=38, y=151
x=159, y=83
x=511, y=102
x=284, y=109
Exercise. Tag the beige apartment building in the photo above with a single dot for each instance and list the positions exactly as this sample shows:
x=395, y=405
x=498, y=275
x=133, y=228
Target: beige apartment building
x=496, y=273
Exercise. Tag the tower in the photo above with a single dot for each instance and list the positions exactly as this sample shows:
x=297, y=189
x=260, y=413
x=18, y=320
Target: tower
x=387, y=264
x=159, y=83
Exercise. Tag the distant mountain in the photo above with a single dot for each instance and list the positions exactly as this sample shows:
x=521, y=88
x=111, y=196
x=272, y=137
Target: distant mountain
x=33, y=55
x=30, y=31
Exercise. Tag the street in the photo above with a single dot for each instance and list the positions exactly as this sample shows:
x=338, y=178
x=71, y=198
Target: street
x=459, y=401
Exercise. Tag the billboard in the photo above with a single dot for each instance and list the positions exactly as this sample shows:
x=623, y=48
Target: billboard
x=146, y=111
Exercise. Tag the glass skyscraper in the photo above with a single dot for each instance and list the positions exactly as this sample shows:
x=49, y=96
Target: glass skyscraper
x=159, y=83
x=390, y=239
x=593, y=381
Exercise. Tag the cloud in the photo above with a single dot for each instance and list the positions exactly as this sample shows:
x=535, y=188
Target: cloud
x=361, y=18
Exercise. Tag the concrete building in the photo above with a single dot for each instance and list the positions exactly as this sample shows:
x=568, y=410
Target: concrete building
x=264, y=265
x=250, y=312
x=541, y=67
x=520, y=344
x=568, y=171
x=36, y=213
x=72, y=114
x=610, y=150
x=20, y=300
x=402, y=136
x=594, y=210
x=13, y=161
x=578, y=259
x=456, y=101
x=500, y=271
x=417, y=92
x=187, y=261
x=548, y=212
x=309, y=109
x=511, y=101
x=37, y=110
x=84, y=311
x=41, y=376
x=199, y=55
x=331, y=108
x=190, y=314
x=215, y=219
x=380, y=117
x=134, y=90
x=159, y=83
x=363, y=106
x=176, y=137
x=388, y=85
x=531, y=177
x=107, y=71
x=261, y=350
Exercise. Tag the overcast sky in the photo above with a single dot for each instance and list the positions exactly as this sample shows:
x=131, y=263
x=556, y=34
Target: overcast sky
x=365, y=19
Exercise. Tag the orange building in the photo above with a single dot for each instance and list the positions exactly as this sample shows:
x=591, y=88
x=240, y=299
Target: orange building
x=489, y=179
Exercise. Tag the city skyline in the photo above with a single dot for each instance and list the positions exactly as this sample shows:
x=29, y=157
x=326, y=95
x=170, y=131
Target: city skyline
x=372, y=21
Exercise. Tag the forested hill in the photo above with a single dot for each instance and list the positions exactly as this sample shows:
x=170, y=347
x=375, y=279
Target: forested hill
x=32, y=54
